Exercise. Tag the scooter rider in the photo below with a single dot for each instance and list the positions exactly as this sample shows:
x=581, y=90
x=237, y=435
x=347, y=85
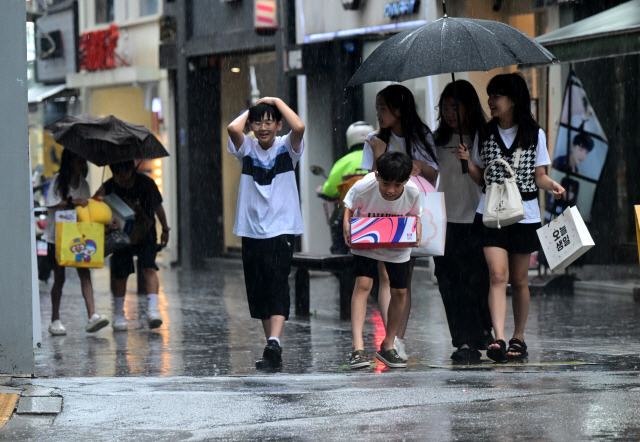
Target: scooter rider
x=347, y=165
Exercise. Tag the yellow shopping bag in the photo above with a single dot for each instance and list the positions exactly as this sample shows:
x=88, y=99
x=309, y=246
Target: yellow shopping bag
x=80, y=244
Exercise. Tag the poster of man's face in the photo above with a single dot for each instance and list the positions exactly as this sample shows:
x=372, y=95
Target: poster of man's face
x=583, y=117
x=579, y=153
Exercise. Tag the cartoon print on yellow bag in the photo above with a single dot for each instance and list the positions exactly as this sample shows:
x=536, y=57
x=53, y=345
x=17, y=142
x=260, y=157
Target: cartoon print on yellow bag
x=83, y=249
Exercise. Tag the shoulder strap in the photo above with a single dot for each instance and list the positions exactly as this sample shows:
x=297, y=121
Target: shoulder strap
x=516, y=162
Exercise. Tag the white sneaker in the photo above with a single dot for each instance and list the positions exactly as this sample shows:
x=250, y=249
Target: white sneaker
x=119, y=322
x=154, y=319
x=96, y=322
x=398, y=345
x=57, y=329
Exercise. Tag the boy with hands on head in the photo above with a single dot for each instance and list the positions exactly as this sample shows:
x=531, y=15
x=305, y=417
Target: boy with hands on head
x=385, y=192
x=268, y=213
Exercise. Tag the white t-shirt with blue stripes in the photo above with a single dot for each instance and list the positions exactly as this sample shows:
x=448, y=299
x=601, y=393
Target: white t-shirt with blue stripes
x=268, y=201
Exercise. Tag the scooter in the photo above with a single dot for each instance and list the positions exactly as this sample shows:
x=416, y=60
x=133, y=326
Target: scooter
x=333, y=209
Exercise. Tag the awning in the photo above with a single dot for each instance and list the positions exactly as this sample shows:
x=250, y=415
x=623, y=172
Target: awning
x=41, y=92
x=612, y=33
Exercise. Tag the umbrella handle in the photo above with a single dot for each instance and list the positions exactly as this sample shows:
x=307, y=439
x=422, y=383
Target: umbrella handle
x=463, y=163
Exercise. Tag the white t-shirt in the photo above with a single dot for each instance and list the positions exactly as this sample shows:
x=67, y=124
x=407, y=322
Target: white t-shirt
x=367, y=152
x=54, y=198
x=268, y=201
x=461, y=193
x=365, y=199
x=531, y=207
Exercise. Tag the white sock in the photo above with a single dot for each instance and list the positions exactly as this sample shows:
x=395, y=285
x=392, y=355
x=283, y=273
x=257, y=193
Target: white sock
x=152, y=301
x=275, y=339
x=118, y=304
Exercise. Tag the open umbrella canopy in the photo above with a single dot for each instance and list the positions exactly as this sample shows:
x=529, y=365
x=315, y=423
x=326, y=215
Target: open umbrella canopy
x=450, y=45
x=107, y=140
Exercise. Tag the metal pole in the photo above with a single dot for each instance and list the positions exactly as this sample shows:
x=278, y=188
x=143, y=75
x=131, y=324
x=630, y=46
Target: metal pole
x=16, y=235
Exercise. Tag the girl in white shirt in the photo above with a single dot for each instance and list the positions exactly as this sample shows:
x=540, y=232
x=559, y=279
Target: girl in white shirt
x=508, y=249
x=67, y=190
x=463, y=277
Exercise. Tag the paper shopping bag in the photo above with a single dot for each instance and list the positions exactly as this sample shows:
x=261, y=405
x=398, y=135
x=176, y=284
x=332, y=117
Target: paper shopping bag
x=434, y=225
x=565, y=239
x=80, y=244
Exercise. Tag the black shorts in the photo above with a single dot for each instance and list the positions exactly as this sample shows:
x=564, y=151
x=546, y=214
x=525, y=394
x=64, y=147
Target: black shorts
x=121, y=261
x=267, y=264
x=398, y=272
x=51, y=255
x=517, y=238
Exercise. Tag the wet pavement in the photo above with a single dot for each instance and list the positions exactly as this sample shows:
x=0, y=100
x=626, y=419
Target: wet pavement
x=194, y=378
x=207, y=330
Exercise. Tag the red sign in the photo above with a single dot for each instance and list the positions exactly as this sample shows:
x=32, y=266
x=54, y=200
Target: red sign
x=265, y=15
x=97, y=49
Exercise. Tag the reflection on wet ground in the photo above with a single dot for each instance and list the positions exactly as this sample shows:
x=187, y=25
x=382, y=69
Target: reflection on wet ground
x=207, y=330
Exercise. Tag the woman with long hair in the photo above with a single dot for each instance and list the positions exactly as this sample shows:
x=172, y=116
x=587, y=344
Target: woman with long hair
x=463, y=277
x=508, y=249
x=68, y=189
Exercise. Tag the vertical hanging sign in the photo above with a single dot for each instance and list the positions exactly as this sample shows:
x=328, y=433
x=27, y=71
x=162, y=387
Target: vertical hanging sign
x=580, y=152
x=265, y=17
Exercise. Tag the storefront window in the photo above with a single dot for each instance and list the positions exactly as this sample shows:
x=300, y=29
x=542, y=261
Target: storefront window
x=148, y=7
x=104, y=11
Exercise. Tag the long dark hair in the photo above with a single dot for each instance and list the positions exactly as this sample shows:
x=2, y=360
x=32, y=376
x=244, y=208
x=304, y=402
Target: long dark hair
x=65, y=172
x=515, y=87
x=398, y=97
x=463, y=92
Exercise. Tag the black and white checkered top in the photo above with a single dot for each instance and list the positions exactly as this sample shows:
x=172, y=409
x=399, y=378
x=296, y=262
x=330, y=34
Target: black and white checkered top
x=493, y=147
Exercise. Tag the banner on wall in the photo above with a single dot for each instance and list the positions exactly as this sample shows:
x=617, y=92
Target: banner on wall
x=580, y=152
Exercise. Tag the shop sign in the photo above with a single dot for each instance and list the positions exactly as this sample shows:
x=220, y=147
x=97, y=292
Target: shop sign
x=97, y=49
x=396, y=9
x=56, y=43
x=265, y=18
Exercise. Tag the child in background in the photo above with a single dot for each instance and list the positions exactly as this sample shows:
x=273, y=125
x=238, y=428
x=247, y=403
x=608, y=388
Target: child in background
x=268, y=213
x=69, y=189
x=402, y=130
x=385, y=192
x=141, y=193
x=508, y=250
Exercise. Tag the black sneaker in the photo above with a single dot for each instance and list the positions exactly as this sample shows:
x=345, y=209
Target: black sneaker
x=390, y=358
x=271, y=356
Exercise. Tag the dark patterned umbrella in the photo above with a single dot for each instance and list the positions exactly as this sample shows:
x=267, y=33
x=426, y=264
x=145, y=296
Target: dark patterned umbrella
x=106, y=140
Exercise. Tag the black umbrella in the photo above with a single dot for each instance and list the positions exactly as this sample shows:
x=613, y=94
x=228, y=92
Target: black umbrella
x=450, y=45
x=106, y=140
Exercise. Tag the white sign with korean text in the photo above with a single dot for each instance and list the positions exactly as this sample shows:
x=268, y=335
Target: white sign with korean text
x=565, y=239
